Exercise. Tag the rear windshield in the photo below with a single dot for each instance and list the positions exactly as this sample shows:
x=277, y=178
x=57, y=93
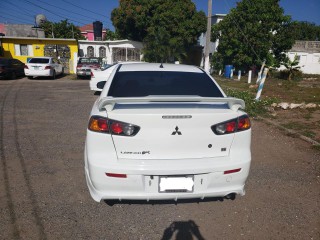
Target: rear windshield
x=89, y=60
x=138, y=84
x=39, y=60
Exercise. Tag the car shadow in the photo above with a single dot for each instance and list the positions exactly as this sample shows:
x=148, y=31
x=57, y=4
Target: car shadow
x=182, y=230
x=49, y=78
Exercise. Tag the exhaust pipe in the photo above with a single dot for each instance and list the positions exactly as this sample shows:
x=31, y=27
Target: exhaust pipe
x=231, y=196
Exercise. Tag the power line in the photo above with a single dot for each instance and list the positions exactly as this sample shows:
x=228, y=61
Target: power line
x=87, y=10
x=65, y=10
x=84, y=8
x=15, y=8
x=20, y=7
x=15, y=16
x=7, y=18
x=63, y=17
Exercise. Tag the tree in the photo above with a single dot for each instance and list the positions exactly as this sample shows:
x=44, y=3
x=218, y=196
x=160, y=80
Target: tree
x=251, y=32
x=306, y=31
x=110, y=35
x=62, y=29
x=291, y=66
x=167, y=28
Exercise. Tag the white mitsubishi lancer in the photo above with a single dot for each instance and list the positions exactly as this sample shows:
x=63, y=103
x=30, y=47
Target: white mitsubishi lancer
x=166, y=131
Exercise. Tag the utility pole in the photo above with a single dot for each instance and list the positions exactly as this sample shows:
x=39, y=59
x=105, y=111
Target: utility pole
x=208, y=38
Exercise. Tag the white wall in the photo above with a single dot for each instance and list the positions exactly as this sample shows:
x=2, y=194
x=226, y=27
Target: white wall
x=309, y=62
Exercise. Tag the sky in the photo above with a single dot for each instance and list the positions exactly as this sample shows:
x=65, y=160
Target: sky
x=82, y=12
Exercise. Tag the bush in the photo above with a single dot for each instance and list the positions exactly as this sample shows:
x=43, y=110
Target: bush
x=296, y=75
x=253, y=107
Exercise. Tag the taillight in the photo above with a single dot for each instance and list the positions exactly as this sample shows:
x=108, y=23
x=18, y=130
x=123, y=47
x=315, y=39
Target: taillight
x=26, y=67
x=105, y=125
x=92, y=75
x=48, y=67
x=79, y=66
x=235, y=125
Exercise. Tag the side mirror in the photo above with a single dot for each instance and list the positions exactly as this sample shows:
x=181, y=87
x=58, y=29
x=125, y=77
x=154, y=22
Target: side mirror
x=101, y=84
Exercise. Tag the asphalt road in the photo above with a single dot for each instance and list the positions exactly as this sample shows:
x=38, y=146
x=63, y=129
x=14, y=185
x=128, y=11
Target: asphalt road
x=43, y=193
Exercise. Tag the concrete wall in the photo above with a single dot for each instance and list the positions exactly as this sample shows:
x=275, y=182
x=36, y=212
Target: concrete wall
x=21, y=30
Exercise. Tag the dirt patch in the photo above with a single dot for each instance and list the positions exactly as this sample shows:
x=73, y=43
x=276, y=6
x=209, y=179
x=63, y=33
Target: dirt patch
x=302, y=121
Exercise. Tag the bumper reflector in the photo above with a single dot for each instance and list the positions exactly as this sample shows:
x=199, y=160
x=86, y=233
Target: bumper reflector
x=116, y=175
x=232, y=171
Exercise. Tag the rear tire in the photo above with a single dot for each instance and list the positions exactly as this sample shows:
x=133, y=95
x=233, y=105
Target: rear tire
x=54, y=74
x=30, y=77
x=13, y=75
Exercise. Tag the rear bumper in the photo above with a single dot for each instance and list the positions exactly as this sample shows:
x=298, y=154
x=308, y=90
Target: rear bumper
x=84, y=72
x=40, y=73
x=142, y=181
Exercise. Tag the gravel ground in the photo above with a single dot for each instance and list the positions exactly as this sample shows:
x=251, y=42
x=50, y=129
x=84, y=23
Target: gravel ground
x=43, y=194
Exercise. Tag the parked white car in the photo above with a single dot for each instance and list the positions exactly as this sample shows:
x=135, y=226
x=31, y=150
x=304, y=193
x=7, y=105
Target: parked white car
x=43, y=67
x=166, y=131
x=102, y=75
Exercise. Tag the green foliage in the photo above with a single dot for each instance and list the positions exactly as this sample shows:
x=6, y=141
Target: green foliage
x=253, y=107
x=305, y=31
x=292, y=72
x=167, y=28
x=251, y=32
x=62, y=29
x=110, y=35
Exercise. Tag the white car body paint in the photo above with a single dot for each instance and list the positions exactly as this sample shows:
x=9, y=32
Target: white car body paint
x=175, y=154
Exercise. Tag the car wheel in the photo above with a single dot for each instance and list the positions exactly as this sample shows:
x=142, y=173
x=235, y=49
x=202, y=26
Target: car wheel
x=30, y=77
x=54, y=74
x=13, y=75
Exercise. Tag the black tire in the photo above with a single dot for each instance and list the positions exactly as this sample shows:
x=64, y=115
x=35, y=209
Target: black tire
x=30, y=77
x=54, y=74
x=13, y=75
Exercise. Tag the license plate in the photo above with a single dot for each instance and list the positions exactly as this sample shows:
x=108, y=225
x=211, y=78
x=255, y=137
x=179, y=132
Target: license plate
x=176, y=184
x=36, y=68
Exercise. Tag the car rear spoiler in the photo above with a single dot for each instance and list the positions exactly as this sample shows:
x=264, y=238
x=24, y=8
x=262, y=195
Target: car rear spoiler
x=108, y=103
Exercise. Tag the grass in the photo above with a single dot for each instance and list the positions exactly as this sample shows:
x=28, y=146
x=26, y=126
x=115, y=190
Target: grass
x=285, y=91
x=300, y=121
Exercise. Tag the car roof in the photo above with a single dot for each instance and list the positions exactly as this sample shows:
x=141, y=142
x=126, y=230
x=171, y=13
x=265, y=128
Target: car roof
x=42, y=57
x=165, y=67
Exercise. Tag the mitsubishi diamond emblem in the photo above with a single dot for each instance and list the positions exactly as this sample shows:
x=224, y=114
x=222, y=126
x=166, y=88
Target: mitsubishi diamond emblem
x=176, y=131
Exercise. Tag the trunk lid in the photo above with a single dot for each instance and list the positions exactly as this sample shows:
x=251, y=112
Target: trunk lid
x=172, y=130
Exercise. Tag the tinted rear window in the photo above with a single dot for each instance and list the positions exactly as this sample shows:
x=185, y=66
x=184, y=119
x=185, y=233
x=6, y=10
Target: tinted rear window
x=89, y=60
x=39, y=60
x=138, y=84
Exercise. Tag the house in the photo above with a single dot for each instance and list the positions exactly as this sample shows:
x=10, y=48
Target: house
x=90, y=31
x=308, y=53
x=23, y=48
x=111, y=51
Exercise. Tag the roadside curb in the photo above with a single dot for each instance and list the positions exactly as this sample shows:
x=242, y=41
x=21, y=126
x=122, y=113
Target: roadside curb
x=307, y=139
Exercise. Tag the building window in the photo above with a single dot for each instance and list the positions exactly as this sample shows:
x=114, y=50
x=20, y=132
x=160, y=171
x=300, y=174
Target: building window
x=102, y=52
x=23, y=49
x=133, y=54
x=90, y=51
